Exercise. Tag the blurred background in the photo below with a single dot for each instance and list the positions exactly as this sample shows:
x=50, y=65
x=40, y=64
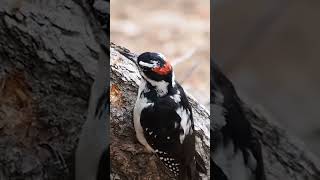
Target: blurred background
x=176, y=28
x=270, y=49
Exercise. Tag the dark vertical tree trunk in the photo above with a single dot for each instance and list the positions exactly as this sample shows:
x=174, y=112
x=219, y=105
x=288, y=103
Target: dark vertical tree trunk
x=48, y=58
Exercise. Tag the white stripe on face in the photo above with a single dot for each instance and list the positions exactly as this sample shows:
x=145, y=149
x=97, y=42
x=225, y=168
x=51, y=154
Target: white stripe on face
x=154, y=64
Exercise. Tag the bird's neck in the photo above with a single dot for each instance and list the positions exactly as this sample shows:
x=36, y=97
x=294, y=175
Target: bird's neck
x=162, y=87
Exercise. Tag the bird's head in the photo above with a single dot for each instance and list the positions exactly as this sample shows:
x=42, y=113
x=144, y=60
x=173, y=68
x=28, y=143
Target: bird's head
x=154, y=66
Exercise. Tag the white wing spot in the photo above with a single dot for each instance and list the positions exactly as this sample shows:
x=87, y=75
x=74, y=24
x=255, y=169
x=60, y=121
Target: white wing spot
x=176, y=124
x=185, y=122
x=176, y=98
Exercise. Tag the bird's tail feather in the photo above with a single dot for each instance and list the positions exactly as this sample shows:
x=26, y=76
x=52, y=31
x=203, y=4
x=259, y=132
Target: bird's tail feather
x=192, y=172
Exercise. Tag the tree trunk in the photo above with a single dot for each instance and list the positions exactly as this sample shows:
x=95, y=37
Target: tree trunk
x=284, y=157
x=48, y=58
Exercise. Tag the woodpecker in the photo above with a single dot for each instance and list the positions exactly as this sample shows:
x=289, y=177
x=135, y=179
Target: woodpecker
x=92, y=153
x=163, y=118
x=236, y=151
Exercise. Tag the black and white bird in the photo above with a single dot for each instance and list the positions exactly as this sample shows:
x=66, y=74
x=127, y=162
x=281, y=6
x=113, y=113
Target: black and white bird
x=236, y=151
x=163, y=118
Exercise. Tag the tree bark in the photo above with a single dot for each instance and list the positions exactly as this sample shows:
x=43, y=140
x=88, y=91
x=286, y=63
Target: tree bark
x=284, y=156
x=129, y=158
x=48, y=58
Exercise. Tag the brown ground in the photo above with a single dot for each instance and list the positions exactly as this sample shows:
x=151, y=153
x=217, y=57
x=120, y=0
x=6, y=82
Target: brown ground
x=172, y=27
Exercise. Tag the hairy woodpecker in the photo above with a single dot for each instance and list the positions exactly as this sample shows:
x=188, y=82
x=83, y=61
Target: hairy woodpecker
x=163, y=118
x=92, y=154
x=236, y=151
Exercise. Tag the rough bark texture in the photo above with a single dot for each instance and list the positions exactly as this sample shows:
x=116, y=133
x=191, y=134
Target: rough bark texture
x=128, y=158
x=48, y=57
x=285, y=157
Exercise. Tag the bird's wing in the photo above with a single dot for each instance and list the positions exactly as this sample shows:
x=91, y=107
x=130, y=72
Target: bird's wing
x=161, y=122
x=163, y=131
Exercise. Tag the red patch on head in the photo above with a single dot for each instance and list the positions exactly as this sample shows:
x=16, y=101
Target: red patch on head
x=163, y=70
